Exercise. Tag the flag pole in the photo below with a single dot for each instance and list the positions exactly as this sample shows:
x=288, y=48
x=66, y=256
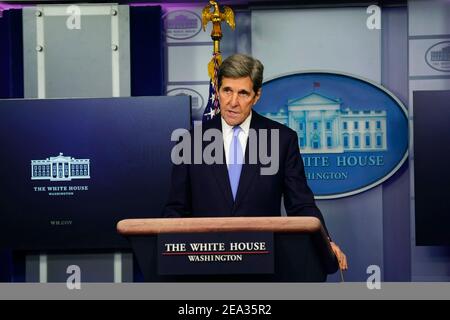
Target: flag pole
x=212, y=13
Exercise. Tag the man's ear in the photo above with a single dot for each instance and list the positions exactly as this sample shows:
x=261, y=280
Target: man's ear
x=257, y=96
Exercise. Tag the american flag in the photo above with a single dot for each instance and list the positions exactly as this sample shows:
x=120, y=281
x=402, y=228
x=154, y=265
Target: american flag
x=213, y=108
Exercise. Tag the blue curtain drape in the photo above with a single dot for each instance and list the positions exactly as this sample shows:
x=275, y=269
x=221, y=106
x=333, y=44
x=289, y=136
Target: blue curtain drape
x=11, y=55
x=147, y=52
x=11, y=86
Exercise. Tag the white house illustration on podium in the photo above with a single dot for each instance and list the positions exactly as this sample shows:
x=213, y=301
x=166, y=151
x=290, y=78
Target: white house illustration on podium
x=60, y=168
x=324, y=126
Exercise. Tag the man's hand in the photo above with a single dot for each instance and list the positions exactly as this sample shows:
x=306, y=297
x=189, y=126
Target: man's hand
x=342, y=259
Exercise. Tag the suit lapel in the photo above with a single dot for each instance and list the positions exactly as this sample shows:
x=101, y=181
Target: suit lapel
x=220, y=171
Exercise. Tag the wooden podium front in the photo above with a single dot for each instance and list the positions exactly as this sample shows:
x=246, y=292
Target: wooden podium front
x=302, y=251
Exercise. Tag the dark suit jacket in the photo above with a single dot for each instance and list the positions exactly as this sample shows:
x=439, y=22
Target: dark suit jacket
x=201, y=190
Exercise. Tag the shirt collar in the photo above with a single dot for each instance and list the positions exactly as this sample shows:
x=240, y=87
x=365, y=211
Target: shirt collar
x=245, y=126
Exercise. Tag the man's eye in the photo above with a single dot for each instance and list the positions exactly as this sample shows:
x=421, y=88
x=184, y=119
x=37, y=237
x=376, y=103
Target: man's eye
x=243, y=94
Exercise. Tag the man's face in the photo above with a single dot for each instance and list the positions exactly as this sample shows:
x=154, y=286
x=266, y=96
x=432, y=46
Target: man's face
x=237, y=98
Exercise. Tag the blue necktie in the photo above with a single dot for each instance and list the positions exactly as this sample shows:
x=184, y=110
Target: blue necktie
x=235, y=161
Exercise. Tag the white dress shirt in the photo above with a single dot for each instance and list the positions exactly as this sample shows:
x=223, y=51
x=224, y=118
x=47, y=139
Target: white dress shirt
x=227, y=132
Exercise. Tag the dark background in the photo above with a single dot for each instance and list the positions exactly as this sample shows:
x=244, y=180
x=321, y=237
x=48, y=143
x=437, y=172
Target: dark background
x=431, y=162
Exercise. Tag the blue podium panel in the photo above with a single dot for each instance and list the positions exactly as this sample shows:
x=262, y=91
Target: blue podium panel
x=71, y=169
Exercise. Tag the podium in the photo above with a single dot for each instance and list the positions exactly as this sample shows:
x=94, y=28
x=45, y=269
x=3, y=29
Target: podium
x=301, y=248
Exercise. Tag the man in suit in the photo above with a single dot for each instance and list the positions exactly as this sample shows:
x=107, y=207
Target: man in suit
x=235, y=185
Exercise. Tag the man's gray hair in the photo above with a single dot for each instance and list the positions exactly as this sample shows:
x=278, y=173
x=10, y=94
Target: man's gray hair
x=242, y=66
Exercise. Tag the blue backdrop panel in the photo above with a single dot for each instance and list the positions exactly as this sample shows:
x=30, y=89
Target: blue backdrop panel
x=11, y=86
x=147, y=67
x=127, y=142
x=11, y=55
x=431, y=173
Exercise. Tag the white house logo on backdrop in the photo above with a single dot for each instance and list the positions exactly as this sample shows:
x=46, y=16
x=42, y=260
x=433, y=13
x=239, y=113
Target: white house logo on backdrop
x=438, y=56
x=60, y=168
x=182, y=24
x=197, y=100
x=323, y=126
x=353, y=134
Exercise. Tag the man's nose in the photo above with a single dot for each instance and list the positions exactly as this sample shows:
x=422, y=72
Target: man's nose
x=235, y=100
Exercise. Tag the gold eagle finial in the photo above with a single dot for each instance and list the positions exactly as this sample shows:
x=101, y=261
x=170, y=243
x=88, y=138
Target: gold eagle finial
x=216, y=17
x=212, y=13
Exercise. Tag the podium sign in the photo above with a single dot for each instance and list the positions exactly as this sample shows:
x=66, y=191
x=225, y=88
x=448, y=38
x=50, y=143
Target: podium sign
x=231, y=249
x=216, y=253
